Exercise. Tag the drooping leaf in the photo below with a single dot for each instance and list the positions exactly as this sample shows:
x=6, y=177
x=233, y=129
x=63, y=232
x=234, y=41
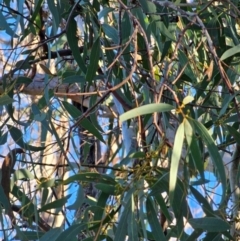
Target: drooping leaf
x=55, y=204
x=73, y=43
x=5, y=100
x=213, y=152
x=154, y=222
x=17, y=136
x=175, y=159
x=22, y=174
x=132, y=223
x=94, y=59
x=230, y=52
x=85, y=123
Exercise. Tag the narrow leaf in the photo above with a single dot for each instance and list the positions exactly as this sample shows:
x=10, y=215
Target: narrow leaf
x=209, y=224
x=55, y=204
x=154, y=222
x=230, y=52
x=146, y=109
x=51, y=235
x=17, y=136
x=213, y=152
x=73, y=43
x=5, y=100
x=175, y=159
x=94, y=58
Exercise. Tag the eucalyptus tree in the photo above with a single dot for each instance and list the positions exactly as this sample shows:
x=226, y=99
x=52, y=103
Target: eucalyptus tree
x=139, y=98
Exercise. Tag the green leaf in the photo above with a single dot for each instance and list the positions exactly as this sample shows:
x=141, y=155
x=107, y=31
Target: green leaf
x=132, y=223
x=175, y=159
x=46, y=69
x=104, y=12
x=33, y=235
x=74, y=79
x=187, y=99
x=51, y=235
x=91, y=177
x=94, y=59
x=3, y=138
x=121, y=231
x=79, y=200
x=22, y=174
x=203, y=202
x=23, y=80
x=194, y=148
x=213, y=152
x=55, y=204
x=85, y=123
x=234, y=133
x=16, y=134
x=230, y=52
x=4, y=25
x=71, y=232
x=209, y=224
x=3, y=199
x=5, y=100
x=73, y=43
x=111, y=32
x=154, y=222
x=146, y=109
x=107, y=188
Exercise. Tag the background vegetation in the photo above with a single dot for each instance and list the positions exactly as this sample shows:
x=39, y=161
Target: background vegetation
x=110, y=113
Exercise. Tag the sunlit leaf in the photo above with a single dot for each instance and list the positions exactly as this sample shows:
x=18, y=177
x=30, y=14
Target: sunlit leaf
x=175, y=159
x=187, y=100
x=146, y=109
x=230, y=52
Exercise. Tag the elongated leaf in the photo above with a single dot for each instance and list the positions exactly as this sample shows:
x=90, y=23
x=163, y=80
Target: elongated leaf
x=55, y=204
x=203, y=202
x=175, y=159
x=4, y=25
x=146, y=109
x=51, y=235
x=111, y=32
x=94, y=59
x=213, y=152
x=73, y=44
x=5, y=100
x=121, y=231
x=230, y=52
x=132, y=223
x=22, y=174
x=154, y=222
x=104, y=12
x=3, y=199
x=209, y=224
x=234, y=133
x=194, y=148
x=85, y=123
x=71, y=232
x=91, y=177
x=16, y=134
